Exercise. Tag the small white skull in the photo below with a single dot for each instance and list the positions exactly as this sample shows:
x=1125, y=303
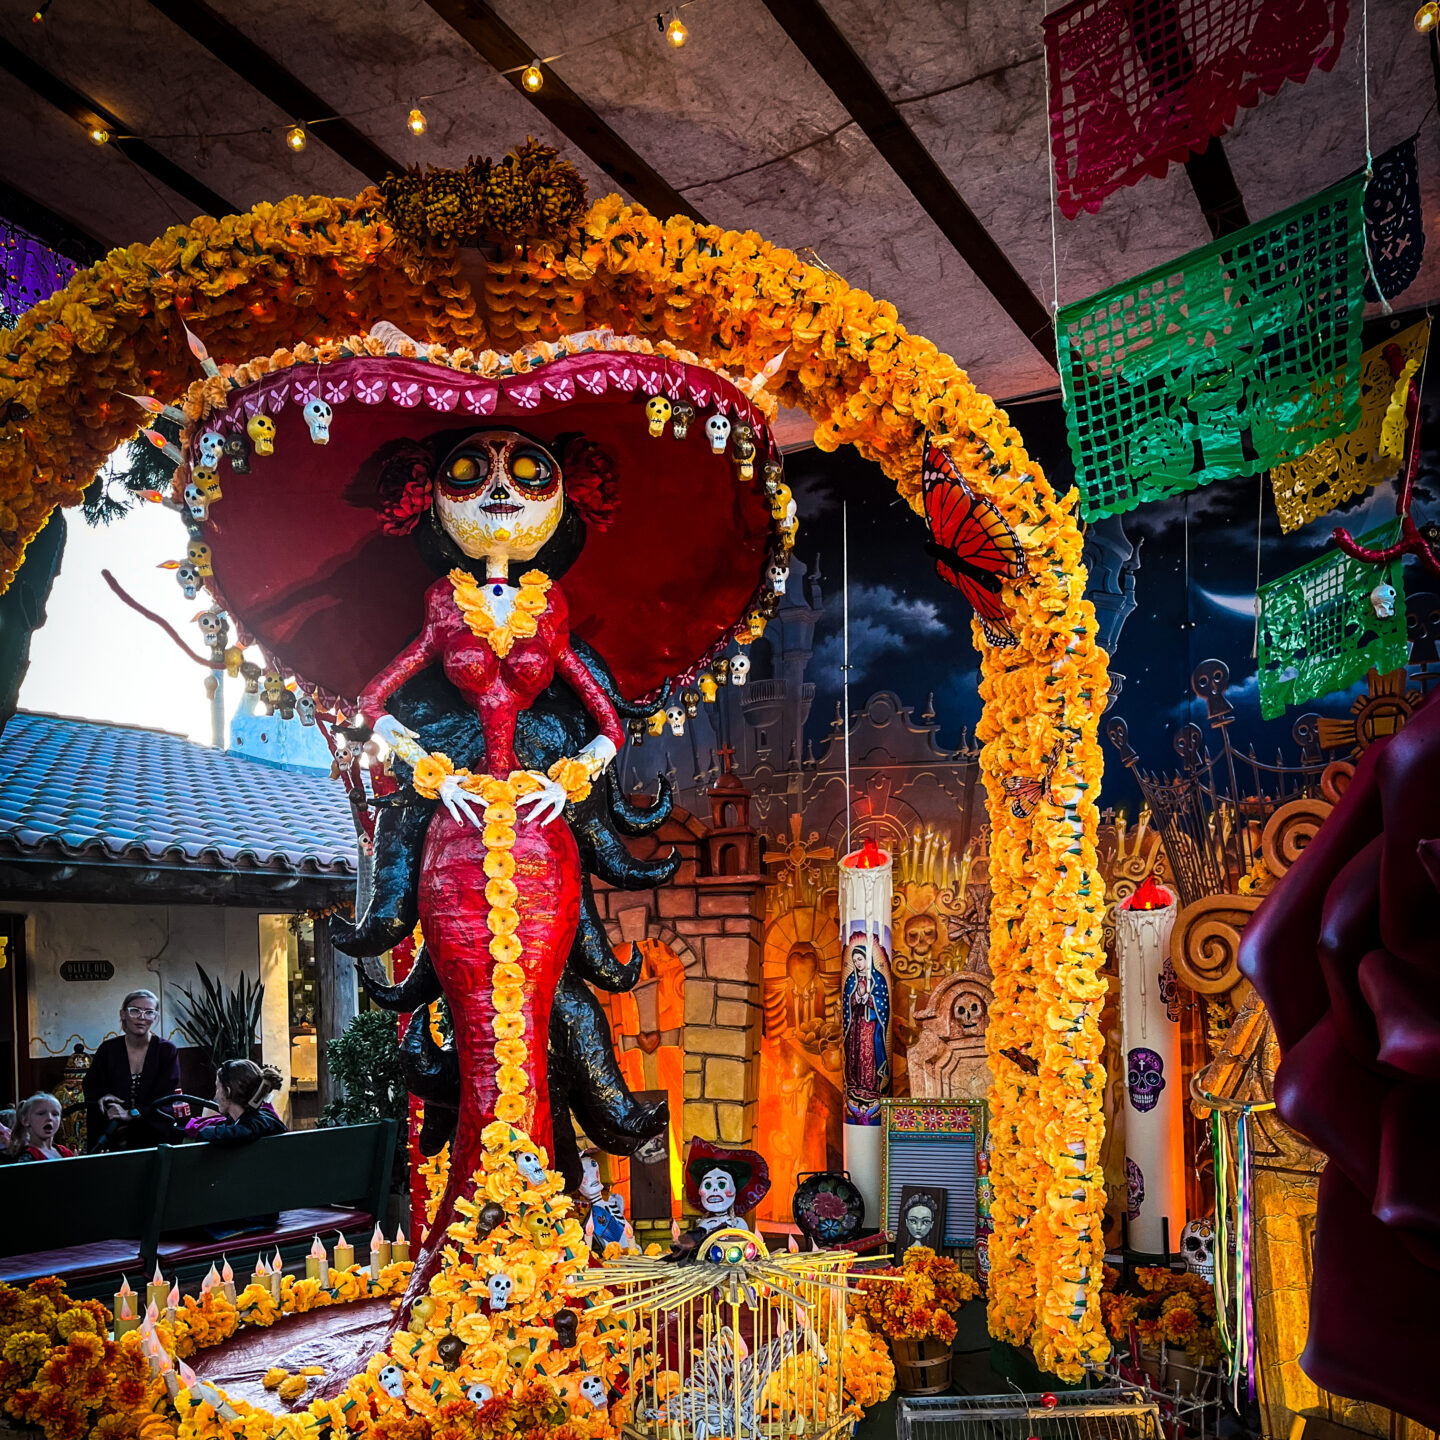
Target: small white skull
x=717, y=1192
x=779, y=576
x=1197, y=1248
x=213, y=628
x=196, y=503
x=739, y=669
x=479, y=1393
x=528, y=1164
x=717, y=431
x=774, y=477
x=189, y=578
x=592, y=1387
x=1382, y=600
x=305, y=709
x=675, y=715
x=392, y=1381
x=318, y=416
x=210, y=446
x=499, y=1285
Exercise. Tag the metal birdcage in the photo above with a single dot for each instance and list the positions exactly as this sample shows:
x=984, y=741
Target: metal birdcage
x=1119, y=1414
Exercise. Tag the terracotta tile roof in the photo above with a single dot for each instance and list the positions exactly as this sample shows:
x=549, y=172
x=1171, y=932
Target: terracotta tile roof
x=131, y=795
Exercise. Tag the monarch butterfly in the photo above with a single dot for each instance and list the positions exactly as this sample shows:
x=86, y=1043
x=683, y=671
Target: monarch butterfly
x=1026, y=792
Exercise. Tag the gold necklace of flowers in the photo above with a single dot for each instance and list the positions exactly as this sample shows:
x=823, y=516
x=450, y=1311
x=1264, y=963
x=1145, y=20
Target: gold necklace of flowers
x=530, y=605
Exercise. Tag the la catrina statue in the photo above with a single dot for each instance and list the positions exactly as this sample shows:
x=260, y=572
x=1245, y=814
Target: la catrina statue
x=412, y=571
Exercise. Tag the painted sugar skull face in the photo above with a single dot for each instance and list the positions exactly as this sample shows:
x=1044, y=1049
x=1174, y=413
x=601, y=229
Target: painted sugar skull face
x=717, y=1192
x=592, y=1387
x=528, y=1164
x=499, y=495
x=479, y=1393
x=1197, y=1248
x=499, y=1287
x=1134, y=1189
x=392, y=1381
x=1144, y=1078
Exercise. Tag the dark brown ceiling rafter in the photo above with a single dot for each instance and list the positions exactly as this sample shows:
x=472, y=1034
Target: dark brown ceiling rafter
x=88, y=114
x=501, y=48
x=831, y=56
x=255, y=67
x=1214, y=185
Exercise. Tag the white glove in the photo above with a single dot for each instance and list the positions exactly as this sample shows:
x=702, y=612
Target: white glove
x=404, y=742
x=459, y=802
x=597, y=755
x=549, y=801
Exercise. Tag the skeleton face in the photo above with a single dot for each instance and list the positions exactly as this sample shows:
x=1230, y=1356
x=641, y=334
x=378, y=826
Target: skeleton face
x=717, y=431
x=655, y=723
x=591, y=1186
x=742, y=446
x=1197, y=1248
x=708, y=688
x=197, y=552
x=778, y=575
x=539, y=1227
x=690, y=699
x=675, y=718
x=317, y=415
x=207, y=482
x=528, y=1164
x=213, y=629
x=1145, y=1078
x=592, y=1387
x=479, y=1393
x=209, y=448
x=717, y=1192
x=189, y=578
x=968, y=1012
x=657, y=412
x=921, y=932
x=261, y=429
x=1134, y=1189
x=500, y=495
x=774, y=475
x=195, y=502
x=739, y=669
x=305, y=708
x=237, y=452
x=681, y=414
x=392, y=1381
x=499, y=1287
x=1382, y=601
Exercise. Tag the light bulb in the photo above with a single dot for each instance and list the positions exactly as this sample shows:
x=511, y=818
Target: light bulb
x=295, y=138
x=1427, y=17
x=676, y=33
x=416, y=122
x=99, y=135
x=532, y=78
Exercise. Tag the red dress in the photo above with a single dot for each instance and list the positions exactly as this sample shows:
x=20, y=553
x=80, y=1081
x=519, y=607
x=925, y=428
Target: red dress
x=454, y=913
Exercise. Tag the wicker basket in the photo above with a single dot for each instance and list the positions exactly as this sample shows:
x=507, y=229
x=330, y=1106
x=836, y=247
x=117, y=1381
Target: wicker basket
x=922, y=1367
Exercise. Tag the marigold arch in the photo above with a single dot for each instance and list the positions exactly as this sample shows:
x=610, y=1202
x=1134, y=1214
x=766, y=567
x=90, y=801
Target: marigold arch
x=309, y=271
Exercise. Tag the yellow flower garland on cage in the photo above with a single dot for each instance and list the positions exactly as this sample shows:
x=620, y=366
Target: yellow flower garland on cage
x=307, y=272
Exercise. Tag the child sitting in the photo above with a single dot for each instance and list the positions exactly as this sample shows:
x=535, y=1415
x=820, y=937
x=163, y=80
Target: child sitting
x=241, y=1088
x=37, y=1122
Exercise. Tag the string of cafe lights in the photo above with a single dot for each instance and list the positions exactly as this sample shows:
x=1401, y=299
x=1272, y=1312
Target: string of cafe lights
x=532, y=78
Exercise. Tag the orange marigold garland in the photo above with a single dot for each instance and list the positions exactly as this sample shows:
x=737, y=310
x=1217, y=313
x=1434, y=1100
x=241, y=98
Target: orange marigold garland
x=312, y=271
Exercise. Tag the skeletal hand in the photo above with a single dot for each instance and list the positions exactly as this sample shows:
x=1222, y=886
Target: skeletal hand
x=548, y=801
x=460, y=802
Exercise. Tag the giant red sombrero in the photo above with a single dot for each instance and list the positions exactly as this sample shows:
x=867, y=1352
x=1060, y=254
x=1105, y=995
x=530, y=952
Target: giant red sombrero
x=305, y=569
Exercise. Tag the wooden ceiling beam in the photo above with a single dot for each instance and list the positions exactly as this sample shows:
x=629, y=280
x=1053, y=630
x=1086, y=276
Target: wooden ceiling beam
x=502, y=49
x=1214, y=185
x=89, y=114
x=237, y=52
x=831, y=56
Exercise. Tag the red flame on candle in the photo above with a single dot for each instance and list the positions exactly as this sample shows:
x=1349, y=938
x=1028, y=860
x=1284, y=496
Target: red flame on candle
x=871, y=857
x=1149, y=896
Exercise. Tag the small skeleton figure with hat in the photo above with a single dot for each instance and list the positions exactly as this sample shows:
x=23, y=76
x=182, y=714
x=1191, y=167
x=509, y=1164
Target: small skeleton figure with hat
x=605, y=1222
x=724, y=1184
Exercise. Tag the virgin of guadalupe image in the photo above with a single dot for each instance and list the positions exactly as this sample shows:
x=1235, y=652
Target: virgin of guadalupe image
x=866, y=1007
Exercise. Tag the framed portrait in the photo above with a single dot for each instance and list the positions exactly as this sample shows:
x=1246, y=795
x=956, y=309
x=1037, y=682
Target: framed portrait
x=922, y=1218
x=935, y=1145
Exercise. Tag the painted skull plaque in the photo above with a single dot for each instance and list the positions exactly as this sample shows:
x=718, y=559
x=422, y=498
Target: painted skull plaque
x=1197, y=1248
x=1145, y=1078
x=1170, y=989
x=1134, y=1189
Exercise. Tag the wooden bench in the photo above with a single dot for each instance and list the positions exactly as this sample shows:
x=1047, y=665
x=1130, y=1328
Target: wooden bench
x=94, y=1217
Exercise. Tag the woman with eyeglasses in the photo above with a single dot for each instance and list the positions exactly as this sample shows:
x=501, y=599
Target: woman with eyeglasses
x=130, y=1071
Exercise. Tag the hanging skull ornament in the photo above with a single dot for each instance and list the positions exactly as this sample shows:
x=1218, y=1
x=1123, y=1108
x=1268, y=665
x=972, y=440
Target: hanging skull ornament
x=499, y=1285
x=197, y=552
x=1382, y=601
x=479, y=1393
x=656, y=723
x=717, y=431
x=774, y=475
x=681, y=414
x=213, y=628
x=709, y=689
x=690, y=699
x=1145, y=1078
x=490, y=1216
x=528, y=1164
x=317, y=416
x=392, y=1381
x=250, y=673
x=592, y=1387
x=451, y=1350
x=675, y=718
x=657, y=412
x=1197, y=1248
x=195, y=502
x=739, y=669
x=261, y=429
x=207, y=481
x=636, y=731
x=779, y=576
x=1134, y=1189
x=189, y=578
x=237, y=452
x=305, y=708
x=565, y=1323
x=742, y=447
x=209, y=447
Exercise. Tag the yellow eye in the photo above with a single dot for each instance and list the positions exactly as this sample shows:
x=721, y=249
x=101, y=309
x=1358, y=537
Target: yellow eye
x=463, y=469
x=524, y=468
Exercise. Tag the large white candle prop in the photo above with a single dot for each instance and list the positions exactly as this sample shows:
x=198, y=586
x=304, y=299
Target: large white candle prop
x=1154, y=1088
x=865, y=991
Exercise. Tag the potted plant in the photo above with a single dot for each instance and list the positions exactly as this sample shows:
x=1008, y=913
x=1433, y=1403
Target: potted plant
x=1157, y=1311
x=913, y=1306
